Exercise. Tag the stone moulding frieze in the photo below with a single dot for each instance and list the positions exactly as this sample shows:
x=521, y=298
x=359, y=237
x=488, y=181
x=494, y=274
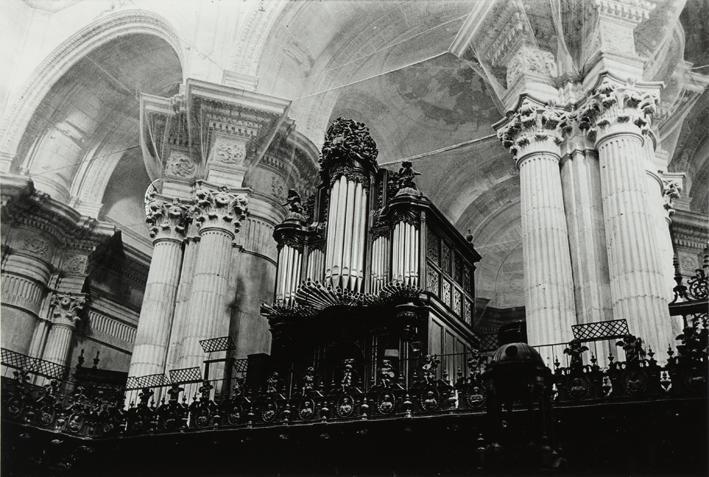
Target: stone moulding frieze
x=21, y=292
x=102, y=325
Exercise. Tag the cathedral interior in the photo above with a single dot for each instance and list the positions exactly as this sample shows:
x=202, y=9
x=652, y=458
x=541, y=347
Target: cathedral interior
x=416, y=237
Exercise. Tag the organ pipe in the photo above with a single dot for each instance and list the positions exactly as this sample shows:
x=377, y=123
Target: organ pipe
x=344, y=263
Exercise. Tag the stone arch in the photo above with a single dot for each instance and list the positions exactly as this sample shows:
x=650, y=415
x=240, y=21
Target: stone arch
x=66, y=55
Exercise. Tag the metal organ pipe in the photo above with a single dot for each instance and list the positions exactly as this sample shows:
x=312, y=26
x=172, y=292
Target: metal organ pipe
x=380, y=260
x=405, y=248
x=360, y=238
x=279, y=280
x=289, y=266
x=344, y=258
x=332, y=214
x=314, y=269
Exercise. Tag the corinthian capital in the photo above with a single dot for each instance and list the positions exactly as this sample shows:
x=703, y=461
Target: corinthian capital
x=219, y=208
x=67, y=307
x=614, y=108
x=671, y=190
x=167, y=219
x=533, y=128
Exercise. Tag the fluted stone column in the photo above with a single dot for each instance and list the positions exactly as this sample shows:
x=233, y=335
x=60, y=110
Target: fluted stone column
x=219, y=214
x=65, y=315
x=533, y=135
x=656, y=189
x=581, y=183
x=168, y=221
x=619, y=115
x=182, y=299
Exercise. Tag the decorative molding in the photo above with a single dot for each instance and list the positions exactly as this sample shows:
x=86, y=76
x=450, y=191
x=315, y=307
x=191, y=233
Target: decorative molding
x=529, y=60
x=180, y=165
x=21, y=292
x=108, y=326
x=71, y=230
x=75, y=264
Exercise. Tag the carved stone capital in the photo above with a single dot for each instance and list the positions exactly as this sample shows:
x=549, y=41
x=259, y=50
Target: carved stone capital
x=533, y=128
x=671, y=190
x=67, y=308
x=221, y=209
x=167, y=219
x=616, y=108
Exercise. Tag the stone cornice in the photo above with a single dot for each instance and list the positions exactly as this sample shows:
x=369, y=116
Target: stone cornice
x=33, y=209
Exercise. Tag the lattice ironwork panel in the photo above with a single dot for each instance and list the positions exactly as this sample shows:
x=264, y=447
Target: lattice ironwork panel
x=488, y=342
x=15, y=360
x=185, y=375
x=147, y=381
x=212, y=345
x=240, y=365
x=600, y=330
x=36, y=366
x=48, y=369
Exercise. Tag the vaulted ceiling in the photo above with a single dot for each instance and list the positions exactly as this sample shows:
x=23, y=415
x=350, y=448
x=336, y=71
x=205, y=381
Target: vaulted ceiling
x=89, y=123
x=386, y=63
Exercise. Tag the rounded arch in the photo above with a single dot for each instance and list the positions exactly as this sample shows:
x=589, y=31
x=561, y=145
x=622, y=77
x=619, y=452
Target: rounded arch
x=66, y=55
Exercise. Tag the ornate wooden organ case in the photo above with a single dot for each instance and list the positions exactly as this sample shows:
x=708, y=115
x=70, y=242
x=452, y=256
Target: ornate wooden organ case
x=369, y=274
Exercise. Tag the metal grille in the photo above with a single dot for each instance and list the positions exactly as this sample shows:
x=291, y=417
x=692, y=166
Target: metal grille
x=600, y=330
x=488, y=342
x=212, y=345
x=185, y=375
x=147, y=381
x=36, y=366
x=241, y=365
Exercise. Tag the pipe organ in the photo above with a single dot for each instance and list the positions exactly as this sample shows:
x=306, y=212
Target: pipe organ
x=372, y=264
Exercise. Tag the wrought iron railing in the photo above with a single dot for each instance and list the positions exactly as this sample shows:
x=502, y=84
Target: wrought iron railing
x=691, y=301
x=99, y=412
x=40, y=367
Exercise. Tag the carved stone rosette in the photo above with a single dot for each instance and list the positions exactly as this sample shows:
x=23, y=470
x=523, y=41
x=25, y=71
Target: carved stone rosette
x=67, y=307
x=533, y=128
x=167, y=219
x=615, y=108
x=220, y=209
